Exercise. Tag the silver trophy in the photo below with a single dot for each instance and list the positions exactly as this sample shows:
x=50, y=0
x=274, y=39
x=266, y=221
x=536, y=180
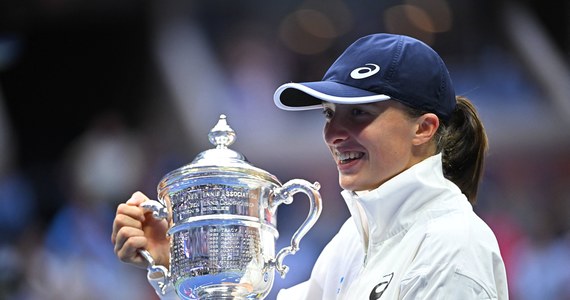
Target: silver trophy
x=222, y=216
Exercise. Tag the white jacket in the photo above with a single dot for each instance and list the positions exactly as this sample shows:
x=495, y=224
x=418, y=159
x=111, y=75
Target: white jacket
x=414, y=237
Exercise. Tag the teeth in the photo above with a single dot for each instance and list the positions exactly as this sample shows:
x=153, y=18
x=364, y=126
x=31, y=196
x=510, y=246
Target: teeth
x=349, y=155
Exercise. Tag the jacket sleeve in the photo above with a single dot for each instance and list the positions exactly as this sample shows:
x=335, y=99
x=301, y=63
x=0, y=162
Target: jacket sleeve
x=451, y=286
x=462, y=262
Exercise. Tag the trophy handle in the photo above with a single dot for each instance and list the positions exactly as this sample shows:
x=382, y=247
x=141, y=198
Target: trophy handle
x=284, y=194
x=158, y=210
x=155, y=271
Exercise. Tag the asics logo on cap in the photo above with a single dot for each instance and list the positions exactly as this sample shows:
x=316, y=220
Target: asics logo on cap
x=365, y=72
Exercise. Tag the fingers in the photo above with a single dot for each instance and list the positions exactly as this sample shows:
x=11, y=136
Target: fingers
x=129, y=214
x=132, y=230
x=129, y=237
x=129, y=240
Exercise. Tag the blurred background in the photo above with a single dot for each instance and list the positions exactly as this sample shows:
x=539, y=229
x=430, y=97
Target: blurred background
x=101, y=98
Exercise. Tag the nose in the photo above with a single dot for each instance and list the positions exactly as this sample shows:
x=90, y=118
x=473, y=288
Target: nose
x=334, y=131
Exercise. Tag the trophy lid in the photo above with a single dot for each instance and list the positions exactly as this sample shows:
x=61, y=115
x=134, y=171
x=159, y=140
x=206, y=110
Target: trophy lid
x=219, y=161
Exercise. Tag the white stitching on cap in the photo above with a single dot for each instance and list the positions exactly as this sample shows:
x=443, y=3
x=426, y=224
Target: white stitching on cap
x=324, y=97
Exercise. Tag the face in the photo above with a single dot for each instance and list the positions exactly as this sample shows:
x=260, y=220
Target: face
x=370, y=143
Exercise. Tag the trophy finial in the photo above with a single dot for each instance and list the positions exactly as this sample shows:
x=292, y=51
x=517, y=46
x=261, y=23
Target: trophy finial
x=222, y=135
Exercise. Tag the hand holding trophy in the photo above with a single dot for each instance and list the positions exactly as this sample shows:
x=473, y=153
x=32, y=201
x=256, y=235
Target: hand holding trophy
x=221, y=212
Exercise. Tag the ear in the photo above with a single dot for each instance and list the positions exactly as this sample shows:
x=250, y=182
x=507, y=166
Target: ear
x=427, y=126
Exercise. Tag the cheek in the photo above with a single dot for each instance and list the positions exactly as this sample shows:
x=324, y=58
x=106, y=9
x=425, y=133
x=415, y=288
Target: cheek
x=392, y=150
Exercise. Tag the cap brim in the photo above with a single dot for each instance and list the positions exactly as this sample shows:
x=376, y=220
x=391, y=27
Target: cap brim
x=310, y=95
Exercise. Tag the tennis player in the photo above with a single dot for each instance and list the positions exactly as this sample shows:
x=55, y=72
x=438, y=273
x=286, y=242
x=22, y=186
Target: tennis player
x=410, y=156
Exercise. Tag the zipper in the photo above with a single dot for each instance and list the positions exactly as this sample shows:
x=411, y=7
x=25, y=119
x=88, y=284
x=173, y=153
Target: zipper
x=364, y=230
x=343, y=295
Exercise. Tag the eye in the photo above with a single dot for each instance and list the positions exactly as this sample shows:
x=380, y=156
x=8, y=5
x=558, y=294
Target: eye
x=357, y=112
x=328, y=113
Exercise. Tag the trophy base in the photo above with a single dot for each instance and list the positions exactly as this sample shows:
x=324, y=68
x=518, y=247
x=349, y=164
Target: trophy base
x=222, y=286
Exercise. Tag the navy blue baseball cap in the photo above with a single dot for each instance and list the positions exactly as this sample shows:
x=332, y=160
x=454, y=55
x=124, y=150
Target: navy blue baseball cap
x=375, y=68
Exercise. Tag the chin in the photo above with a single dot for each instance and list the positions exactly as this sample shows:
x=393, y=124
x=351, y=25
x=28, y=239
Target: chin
x=350, y=186
x=356, y=186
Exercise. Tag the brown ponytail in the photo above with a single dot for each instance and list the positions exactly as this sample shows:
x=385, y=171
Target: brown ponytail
x=463, y=143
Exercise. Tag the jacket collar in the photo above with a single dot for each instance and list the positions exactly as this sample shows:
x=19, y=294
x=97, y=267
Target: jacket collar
x=395, y=205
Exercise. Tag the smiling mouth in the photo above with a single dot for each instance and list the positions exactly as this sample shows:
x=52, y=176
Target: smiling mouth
x=346, y=157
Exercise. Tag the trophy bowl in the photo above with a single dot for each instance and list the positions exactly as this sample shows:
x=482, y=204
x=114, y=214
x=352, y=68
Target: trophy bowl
x=222, y=223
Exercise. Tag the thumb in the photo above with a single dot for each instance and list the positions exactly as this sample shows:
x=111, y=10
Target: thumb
x=137, y=198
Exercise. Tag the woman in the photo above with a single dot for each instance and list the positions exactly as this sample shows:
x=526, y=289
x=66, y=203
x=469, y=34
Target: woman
x=410, y=157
